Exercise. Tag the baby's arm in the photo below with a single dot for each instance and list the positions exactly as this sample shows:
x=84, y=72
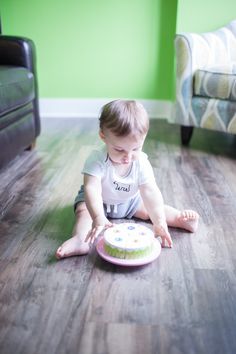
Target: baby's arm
x=94, y=203
x=153, y=202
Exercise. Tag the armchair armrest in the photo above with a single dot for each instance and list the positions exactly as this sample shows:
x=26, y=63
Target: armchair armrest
x=17, y=51
x=197, y=51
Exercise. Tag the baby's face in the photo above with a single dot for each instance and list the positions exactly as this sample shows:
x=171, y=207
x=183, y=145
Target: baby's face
x=122, y=150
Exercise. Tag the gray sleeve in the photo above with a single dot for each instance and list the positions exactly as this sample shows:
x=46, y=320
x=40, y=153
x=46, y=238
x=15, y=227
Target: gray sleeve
x=95, y=164
x=146, y=174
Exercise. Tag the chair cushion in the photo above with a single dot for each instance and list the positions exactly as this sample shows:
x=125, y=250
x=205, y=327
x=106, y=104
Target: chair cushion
x=217, y=83
x=16, y=88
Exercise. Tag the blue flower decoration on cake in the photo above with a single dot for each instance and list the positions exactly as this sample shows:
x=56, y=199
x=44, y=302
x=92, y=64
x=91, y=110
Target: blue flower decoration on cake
x=118, y=238
x=131, y=227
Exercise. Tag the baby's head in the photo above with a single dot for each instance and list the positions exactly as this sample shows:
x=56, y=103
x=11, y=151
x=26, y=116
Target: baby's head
x=124, y=117
x=123, y=128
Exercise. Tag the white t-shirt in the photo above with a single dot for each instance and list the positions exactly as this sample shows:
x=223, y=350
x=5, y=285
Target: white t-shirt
x=117, y=189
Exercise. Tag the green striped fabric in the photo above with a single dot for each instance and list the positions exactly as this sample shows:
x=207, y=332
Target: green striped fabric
x=206, y=79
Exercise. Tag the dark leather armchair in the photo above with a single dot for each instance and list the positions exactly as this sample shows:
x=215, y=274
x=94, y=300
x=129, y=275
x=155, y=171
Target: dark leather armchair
x=19, y=107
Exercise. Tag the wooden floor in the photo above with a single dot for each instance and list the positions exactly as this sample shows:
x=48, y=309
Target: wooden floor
x=184, y=302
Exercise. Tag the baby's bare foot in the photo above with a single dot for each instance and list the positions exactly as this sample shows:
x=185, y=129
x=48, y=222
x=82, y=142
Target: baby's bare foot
x=188, y=220
x=72, y=247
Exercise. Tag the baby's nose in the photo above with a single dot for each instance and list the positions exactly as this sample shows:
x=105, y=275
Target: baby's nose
x=128, y=154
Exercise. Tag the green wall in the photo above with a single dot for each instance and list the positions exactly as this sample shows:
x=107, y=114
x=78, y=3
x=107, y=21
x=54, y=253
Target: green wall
x=98, y=48
x=204, y=15
x=109, y=48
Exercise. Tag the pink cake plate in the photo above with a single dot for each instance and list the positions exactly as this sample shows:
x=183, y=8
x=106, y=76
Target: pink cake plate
x=129, y=262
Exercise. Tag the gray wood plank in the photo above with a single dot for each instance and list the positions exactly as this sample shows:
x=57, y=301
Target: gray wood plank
x=184, y=302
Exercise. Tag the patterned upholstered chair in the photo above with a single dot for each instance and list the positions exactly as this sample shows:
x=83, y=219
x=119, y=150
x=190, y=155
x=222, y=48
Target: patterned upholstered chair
x=206, y=81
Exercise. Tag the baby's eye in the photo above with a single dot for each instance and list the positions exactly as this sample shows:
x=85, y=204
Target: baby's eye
x=118, y=150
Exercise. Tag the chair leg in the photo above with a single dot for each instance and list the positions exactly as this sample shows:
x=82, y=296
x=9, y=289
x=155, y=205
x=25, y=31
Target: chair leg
x=31, y=146
x=186, y=134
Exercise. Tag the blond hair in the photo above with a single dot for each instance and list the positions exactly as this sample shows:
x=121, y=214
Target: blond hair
x=124, y=117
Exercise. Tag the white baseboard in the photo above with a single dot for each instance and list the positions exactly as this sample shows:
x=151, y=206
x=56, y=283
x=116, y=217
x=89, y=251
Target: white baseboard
x=90, y=108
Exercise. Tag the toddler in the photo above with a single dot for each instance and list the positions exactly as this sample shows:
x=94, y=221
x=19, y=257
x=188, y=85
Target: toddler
x=119, y=183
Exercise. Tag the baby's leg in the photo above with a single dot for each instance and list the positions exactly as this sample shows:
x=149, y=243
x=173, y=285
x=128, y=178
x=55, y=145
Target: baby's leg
x=76, y=246
x=185, y=219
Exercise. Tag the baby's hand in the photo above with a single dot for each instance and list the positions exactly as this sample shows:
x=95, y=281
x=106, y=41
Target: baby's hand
x=161, y=230
x=98, y=225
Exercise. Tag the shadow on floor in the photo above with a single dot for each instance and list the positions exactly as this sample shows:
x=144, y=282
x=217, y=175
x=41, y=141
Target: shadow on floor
x=211, y=142
x=55, y=224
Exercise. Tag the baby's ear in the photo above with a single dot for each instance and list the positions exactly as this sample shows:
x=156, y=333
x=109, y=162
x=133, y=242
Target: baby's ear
x=101, y=134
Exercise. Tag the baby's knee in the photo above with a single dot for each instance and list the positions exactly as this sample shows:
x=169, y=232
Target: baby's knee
x=145, y=215
x=142, y=214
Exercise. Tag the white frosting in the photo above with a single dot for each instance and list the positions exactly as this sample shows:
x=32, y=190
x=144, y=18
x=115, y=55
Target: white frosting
x=129, y=237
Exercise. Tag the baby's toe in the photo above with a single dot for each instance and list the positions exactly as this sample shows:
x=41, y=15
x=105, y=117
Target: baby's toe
x=190, y=215
x=194, y=215
x=185, y=215
x=59, y=253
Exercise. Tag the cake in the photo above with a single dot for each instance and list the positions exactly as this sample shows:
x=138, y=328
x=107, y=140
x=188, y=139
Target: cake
x=128, y=241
